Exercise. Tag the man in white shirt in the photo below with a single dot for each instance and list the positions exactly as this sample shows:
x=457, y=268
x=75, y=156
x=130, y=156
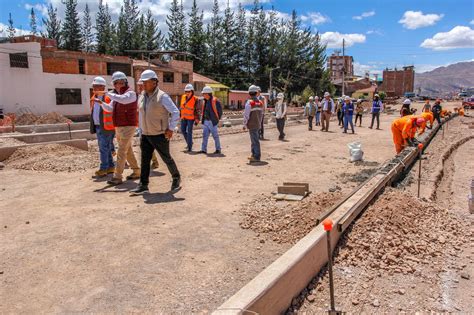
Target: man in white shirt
x=328, y=109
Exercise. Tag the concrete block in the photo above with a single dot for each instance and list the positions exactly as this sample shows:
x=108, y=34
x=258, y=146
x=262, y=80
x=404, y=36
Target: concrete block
x=5, y=152
x=54, y=136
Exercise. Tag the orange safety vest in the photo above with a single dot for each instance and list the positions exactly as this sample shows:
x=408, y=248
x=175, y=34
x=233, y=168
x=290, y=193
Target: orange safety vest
x=107, y=116
x=213, y=105
x=188, y=107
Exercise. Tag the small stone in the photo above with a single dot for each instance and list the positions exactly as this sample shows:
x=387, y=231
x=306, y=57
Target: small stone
x=262, y=241
x=27, y=222
x=311, y=298
x=402, y=291
x=376, y=303
x=465, y=275
x=355, y=302
x=441, y=239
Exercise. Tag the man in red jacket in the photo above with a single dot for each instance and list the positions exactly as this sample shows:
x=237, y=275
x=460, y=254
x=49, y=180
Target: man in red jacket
x=125, y=118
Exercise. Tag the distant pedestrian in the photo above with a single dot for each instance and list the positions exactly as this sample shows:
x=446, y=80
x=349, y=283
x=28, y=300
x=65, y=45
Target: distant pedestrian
x=280, y=115
x=376, y=109
x=189, y=109
x=310, y=112
x=318, y=111
x=211, y=113
x=264, y=101
x=348, y=110
x=339, y=113
x=427, y=106
x=253, y=113
x=405, y=110
x=437, y=109
x=359, y=111
x=328, y=109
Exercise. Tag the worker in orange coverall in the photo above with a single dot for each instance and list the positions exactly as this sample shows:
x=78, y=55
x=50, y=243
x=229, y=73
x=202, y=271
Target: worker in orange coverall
x=404, y=130
x=428, y=117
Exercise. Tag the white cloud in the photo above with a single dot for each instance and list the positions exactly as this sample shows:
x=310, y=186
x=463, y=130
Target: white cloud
x=334, y=39
x=458, y=37
x=19, y=32
x=362, y=69
x=315, y=18
x=39, y=7
x=364, y=15
x=376, y=32
x=416, y=19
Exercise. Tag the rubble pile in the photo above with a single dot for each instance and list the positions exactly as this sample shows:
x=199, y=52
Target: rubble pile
x=32, y=119
x=285, y=222
x=7, y=142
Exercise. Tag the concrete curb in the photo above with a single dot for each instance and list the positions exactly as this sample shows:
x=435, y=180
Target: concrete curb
x=53, y=136
x=5, y=152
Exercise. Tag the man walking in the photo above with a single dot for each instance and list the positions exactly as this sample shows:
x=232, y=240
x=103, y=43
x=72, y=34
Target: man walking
x=210, y=115
x=101, y=123
x=377, y=107
x=253, y=113
x=348, y=111
x=437, y=109
x=310, y=112
x=328, y=108
x=155, y=108
x=359, y=111
x=189, y=115
x=264, y=101
x=125, y=119
x=280, y=114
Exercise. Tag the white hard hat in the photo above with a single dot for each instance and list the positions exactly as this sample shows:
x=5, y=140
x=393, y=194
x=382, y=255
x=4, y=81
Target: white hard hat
x=259, y=89
x=406, y=102
x=148, y=75
x=326, y=94
x=280, y=96
x=99, y=81
x=118, y=76
x=189, y=87
x=316, y=98
x=311, y=98
x=253, y=89
x=376, y=95
x=206, y=90
x=347, y=98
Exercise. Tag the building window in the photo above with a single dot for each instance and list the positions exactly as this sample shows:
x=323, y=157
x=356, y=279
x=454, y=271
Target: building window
x=168, y=77
x=68, y=96
x=185, y=78
x=82, y=66
x=19, y=60
x=122, y=67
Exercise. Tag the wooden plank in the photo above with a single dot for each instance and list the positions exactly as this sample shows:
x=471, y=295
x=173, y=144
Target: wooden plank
x=306, y=185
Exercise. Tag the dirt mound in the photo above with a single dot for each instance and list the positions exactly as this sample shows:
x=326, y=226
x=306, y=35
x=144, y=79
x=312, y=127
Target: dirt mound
x=398, y=233
x=52, y=157
x=32, y=119
x=285, y=222
x=7, y=142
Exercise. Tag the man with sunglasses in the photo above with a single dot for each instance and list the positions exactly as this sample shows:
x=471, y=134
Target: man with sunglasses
x=125, y=118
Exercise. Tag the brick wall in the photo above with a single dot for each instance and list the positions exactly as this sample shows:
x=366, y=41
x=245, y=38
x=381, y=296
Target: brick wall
x=397, y=82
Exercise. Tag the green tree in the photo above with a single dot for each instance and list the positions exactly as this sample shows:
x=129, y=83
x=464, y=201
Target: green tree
x=11, y=29
x=33, y=27
x=214, y=40
x=197, y=38
x=104, y=30
x=153, y=37
x=52, y=25
x=71, y=31
x=127, y=31
x=307, y=92
x=176, y=38
x=87, y=34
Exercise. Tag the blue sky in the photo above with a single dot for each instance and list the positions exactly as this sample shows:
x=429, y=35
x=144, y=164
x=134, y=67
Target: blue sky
x=378, y=33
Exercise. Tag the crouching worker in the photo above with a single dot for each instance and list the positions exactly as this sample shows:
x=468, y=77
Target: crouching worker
x=404, y=130
x=253, y=113
x=101, y=123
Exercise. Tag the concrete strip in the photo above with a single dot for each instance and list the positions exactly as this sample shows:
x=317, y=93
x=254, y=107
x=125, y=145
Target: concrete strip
x=51, y=127
x=54, y=136
x=5, y=152
x=292, y=190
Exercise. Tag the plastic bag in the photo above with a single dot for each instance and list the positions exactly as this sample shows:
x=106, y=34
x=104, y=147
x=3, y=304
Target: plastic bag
x=355, y=151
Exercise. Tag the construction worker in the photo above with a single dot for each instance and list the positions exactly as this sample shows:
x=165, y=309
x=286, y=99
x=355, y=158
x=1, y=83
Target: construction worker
x=189, y=108
x=348, y=111
x=264, y=101
x=318, y=111
x=280, y=114
x=154, y=160
x=310, y=112
x=211, y=113
x=158, y=118
x=405, y=109
x=328, y=108
x=253, y=113
x=125, y=118
x=376, y=109
x=428, y=117
x=101, y=123
x=437, y=108
x=359, y=111
x=404, y=130
x=427, y=106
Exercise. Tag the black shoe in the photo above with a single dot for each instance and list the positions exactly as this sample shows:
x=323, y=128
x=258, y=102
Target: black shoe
x=176, y=184
x=202, y=152
x=139, y=190
x=217, y=152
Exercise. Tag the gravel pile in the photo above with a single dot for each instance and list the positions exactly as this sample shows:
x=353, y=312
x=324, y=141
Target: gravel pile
x=32, y=119
x=53, y=158
x=7, y=142
x=285, y=222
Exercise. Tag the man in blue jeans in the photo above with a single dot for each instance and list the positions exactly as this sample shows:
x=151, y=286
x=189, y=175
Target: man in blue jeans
x=101, y=123
x=348, y=111
x=253, y=113
x=210, y=115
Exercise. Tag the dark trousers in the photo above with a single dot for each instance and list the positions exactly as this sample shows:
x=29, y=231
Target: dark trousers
x=310, y=122
x=255, y=143
x=187, y=131
x=438, y=118
x=340, y=118
x=375, y=115
x=280, y=126
x=159, y=143
x=261, y=132
x=360, y=119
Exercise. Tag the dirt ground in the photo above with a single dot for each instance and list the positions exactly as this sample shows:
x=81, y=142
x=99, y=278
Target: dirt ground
x=407, y=254
x=72, y=244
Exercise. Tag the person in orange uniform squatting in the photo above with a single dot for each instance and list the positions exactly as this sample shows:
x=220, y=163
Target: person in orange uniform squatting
x=428, y=117
x=403, y=131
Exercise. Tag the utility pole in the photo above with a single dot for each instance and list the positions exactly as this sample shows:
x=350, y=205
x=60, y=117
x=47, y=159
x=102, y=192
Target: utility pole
x=343, y=65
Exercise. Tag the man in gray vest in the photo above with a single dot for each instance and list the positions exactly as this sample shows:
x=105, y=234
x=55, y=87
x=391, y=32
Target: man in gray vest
x=253, y=114
x=155, y=108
